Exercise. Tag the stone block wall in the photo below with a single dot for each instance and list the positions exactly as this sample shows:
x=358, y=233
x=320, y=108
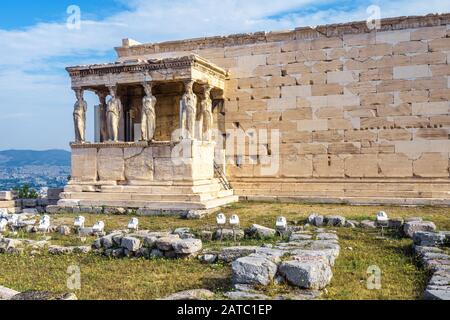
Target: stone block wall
x=140, y=164
x=360, y=113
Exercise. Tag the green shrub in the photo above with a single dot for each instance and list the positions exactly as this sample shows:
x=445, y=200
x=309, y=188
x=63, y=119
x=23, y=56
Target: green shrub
x=25, y=192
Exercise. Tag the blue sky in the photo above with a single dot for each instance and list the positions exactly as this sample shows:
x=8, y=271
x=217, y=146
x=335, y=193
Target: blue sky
x=35, y=97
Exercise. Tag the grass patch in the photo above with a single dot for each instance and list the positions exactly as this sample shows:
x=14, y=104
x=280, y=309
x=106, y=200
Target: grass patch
x=105, y=278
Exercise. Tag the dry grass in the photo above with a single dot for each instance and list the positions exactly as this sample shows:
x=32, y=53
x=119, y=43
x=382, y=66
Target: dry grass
x=104, y=278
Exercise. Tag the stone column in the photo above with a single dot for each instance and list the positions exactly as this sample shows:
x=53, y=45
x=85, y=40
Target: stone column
x=79, y=116
x=113, y=113
x=188, y=111
x=103, y=122
x=206, y=117
x=148, y=119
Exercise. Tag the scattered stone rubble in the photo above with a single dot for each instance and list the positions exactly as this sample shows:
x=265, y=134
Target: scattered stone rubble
x=178, y=244
x=260, y=232
x=302, y=262
x=181, y=243
x=411, y=227
x=429, y=247
x=408, y=227
x=17, y=246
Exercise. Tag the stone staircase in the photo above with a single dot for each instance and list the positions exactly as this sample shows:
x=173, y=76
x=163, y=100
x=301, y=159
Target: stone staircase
x=201, y=195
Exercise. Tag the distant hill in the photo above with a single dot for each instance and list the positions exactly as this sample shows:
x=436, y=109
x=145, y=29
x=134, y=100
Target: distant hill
x=20, y=158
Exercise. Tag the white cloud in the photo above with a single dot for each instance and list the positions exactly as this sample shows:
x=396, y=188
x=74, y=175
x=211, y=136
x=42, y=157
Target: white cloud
x=32, y=60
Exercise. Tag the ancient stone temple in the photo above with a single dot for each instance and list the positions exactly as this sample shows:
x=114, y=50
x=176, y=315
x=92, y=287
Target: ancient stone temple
x=338, y=113
x=156, y=147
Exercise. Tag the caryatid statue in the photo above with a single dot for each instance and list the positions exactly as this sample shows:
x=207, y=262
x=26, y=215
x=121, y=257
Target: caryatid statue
x=206, y=116
x=79, y=116
x=148, y=120
x=113, y=111
x=188, y=111
x=103, y=125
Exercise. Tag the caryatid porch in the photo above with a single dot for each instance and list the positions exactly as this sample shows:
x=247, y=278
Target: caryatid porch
x=155, y=145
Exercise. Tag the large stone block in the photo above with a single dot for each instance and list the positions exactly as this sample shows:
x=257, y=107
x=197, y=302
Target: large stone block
x=296, y=166
x=440, y=44
x=295, y=91
x=395, y=165
x=411, y=227
x=312, y=125
x=138, y=164
x=253, y=270
x=411, y=72
x=328, y=166
x=111, y=164
x=131, y=243
x=431, y=108
x=432, y=165
x=328, y=136
x=329, y=112
x=432, y=134
x=163, y=169
x=403, y=109
x=309, y=273
x=297, y=114
x=312, y=148
x=282, y=104
x=344, y=148
x=429, y=33
x=375, y=50
x=428, y=239
x=394, y=135
x=326, y=89
x=361, y=166
x=393, y=37
x=342, y=77
x=187, y=246
x=84, y=164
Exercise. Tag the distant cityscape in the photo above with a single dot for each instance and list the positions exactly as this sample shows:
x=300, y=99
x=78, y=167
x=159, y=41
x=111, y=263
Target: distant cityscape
x=37, y=169
x=36, y=177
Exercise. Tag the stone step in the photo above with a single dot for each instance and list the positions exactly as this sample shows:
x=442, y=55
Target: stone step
x=225, y=193
x=248, y=190
x=350, y=200
x=126, y=196
x=161, y=189
x=221, y=201
x=156, y=205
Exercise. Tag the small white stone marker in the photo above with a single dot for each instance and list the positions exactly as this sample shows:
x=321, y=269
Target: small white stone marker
x=133, y=224
x=44, y=224
x=281, y=223
x=98, y=227
x=234, y=221
x=79, y=222
x=221, y=219
x=3, y=225
x=382, y=217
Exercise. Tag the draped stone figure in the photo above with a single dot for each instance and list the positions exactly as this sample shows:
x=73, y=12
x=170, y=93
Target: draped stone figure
x=148, y=120
x=206, y=117
x=103, y=121
x=188, y=111
x=79, y=116
x=113, y=111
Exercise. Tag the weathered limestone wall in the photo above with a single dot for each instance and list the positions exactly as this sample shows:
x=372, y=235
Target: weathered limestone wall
x=361, y=113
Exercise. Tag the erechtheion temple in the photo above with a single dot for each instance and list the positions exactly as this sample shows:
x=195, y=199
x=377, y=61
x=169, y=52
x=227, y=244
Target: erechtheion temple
x=336, y=113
